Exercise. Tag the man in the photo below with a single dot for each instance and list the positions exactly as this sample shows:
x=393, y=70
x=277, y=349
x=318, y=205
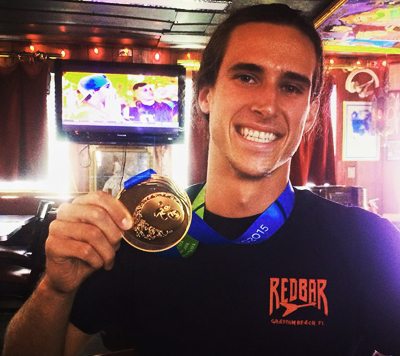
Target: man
x=293, y=274
x=99, y=99
x=146, y=108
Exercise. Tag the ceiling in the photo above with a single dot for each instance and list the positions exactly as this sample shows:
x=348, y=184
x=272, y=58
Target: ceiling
x=147, y=23
x=364, y=26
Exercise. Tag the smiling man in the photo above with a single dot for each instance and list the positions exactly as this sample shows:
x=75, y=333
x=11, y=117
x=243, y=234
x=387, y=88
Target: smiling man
x=258, y=109
x=275, y=271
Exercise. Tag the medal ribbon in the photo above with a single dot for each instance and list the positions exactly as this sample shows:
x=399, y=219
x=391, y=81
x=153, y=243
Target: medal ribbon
x=262, y=228
x=139, y=178
x=259, y=231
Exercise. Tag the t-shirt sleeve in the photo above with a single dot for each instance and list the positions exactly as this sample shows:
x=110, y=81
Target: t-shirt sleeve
x=100, y=299
x=90, y=305
x=379, y=275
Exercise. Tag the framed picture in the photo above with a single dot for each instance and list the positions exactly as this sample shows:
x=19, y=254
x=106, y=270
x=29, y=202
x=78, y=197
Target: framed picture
x=112, y=166
x=360, y=141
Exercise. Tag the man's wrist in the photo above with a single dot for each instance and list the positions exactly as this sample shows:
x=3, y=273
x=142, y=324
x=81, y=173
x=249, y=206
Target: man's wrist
x=47, y=288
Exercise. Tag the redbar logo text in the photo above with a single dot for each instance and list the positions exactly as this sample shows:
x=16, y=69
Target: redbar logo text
x=295, y=293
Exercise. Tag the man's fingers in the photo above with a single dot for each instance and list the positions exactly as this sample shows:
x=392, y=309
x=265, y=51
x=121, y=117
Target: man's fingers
x=88, y=229
x=97, y=215
x=65, y=249
x=117, y=211
x=91, y=238
x=90, y=215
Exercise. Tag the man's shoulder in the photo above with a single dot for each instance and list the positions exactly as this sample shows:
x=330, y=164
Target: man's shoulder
x=316, y=202
x=163, y=105
x=348, y=218
x=320, y=205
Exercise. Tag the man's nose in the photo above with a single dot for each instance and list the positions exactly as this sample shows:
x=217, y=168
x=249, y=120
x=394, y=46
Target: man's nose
x=265, y=101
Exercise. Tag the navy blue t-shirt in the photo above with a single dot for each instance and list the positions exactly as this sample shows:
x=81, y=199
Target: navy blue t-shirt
x=327, y=283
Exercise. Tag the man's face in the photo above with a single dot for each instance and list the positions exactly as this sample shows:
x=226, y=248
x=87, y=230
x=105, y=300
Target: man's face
x=145, y=94
x=101, y=95
x=260, y=103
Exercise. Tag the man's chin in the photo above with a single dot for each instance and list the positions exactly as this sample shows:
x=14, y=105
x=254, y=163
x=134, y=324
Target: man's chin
x=256, y=174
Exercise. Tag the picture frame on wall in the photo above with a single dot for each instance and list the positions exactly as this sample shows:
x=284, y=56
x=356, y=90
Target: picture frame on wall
x=112, y=166
x=360, y=141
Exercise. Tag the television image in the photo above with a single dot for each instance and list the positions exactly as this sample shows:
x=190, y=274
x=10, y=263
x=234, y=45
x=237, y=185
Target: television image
x=119, y=103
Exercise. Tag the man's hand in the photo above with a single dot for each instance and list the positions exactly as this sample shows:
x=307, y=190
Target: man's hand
x=83, y=238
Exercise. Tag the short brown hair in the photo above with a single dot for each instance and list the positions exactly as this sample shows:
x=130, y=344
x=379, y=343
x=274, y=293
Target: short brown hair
x=139, y=85
x=279, y=14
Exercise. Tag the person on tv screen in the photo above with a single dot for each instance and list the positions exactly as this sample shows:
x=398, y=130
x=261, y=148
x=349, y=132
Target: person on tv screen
x=99, y=99
x=275, y=270
x=146, y=108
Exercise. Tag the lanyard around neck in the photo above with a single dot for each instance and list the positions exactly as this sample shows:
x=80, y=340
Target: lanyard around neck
x=270, y=221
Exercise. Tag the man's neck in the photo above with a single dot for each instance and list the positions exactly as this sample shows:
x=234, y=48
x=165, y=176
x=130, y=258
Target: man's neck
x=148, y=102
x=233, y=196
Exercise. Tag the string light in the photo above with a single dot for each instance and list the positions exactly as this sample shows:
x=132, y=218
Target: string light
x=351, y=63
x=125, y=52
x=96, y=53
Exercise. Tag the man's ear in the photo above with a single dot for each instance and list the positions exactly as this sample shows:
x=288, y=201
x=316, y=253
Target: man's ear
x=204, y=100
x=312, y=115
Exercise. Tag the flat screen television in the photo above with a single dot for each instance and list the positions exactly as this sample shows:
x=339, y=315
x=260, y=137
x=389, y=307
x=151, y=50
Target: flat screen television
x=119, y=103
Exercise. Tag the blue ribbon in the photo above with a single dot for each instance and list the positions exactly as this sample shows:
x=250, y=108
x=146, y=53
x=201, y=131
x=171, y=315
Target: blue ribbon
x=138, y=178
x=262, y=228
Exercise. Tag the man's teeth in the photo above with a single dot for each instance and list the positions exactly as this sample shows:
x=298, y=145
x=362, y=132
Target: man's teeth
x=257, y=136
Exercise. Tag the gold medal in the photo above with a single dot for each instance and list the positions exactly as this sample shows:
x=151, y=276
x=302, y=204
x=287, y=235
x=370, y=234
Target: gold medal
x=161, y=213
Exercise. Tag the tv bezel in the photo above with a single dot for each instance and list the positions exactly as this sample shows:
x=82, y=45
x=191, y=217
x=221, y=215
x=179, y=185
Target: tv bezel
x=122, y=135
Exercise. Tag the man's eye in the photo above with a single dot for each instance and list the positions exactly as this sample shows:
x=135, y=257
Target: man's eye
x=292, y=89
x=245, y=78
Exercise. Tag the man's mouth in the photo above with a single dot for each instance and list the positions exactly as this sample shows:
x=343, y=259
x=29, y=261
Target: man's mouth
x=257, y=136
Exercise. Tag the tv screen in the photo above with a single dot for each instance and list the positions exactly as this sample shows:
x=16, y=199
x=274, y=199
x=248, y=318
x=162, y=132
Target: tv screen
x=119, y=103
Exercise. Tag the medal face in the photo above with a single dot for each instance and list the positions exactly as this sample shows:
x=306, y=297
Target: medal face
x=161, y=213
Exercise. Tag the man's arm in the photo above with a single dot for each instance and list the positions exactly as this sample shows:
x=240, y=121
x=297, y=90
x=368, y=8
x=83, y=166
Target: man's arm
x=41, y=325
x=82, y=239
x=75, y=340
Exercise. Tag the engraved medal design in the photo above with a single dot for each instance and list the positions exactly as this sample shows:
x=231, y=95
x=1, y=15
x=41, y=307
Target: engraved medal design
x=161, y=214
